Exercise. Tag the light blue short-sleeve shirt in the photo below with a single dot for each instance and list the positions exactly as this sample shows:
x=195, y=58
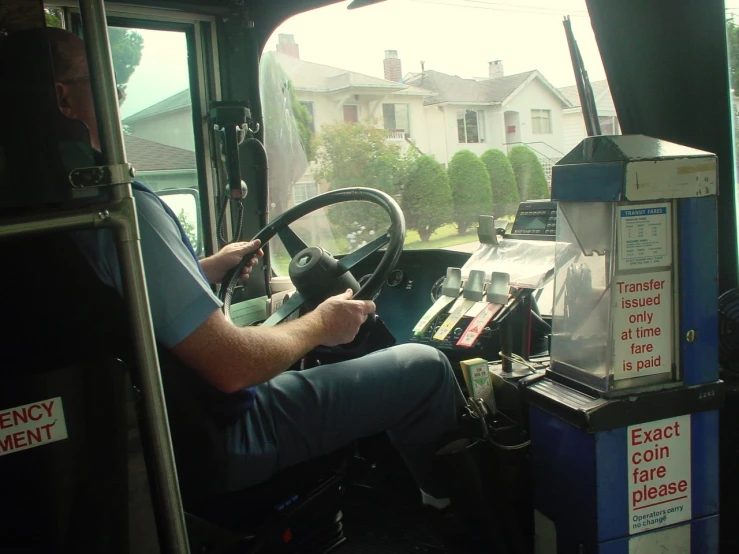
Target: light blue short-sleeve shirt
x=180, y=298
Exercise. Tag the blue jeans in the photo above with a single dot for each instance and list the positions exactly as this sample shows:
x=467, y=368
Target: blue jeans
x=409, y=391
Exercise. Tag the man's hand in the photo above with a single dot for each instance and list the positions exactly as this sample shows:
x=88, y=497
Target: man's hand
x=216, y=266
x=341, y=317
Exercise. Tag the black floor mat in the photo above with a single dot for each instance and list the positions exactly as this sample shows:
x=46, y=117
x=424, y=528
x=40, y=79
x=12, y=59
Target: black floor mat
x=385, y=517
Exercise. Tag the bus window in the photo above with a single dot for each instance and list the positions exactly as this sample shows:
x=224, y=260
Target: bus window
x=156, y=114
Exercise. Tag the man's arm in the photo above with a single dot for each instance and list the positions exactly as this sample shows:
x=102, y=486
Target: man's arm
x=232, y=358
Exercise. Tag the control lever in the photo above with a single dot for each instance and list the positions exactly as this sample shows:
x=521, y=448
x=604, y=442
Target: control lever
x=450, y=289
x=373, y=335
x=471, y=294
x=496, y=297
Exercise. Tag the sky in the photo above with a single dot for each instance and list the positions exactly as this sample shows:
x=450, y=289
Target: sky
x=458, y=37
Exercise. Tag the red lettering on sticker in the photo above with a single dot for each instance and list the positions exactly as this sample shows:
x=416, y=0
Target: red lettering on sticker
x=48, y=406
x=661, y=492
x=26, y=438
x=36, y=408
x=639, y=436
x=32, y=412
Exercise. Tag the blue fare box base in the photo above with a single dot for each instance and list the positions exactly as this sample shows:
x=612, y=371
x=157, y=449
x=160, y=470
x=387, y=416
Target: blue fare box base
x=609, y=486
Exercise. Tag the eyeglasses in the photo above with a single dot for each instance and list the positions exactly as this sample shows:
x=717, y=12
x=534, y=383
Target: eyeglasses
x=118, y=88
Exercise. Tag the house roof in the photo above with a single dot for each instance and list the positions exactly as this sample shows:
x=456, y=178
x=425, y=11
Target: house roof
x=175, y=102
x=456, y=90
x=570, y=92
x=147, y=155
x=315, y=77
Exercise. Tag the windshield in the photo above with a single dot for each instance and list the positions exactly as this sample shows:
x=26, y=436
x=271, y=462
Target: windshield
x=456, y=109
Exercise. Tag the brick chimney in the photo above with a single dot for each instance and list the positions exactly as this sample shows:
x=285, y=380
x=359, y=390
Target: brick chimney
x=391, y=64
x=286, y=45
x=495, y=69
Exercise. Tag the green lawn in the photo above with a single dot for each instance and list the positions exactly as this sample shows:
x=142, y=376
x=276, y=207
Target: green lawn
x=441, y=238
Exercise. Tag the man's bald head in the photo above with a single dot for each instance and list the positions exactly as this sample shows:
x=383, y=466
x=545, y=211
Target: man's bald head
x=67, y=54
x=21, y=49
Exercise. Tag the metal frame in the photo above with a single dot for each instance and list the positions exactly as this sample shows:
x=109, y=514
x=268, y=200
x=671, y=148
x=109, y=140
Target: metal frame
x=120, y=215
x=167, y=498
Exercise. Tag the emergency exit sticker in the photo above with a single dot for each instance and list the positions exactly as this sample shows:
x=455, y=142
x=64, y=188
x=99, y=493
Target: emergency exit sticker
x=642, y=324
x=31, y=425
x=644, y=236
x=659, y=473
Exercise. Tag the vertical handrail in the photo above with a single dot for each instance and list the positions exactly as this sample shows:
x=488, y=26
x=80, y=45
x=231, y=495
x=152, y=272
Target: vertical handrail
x=166, y=493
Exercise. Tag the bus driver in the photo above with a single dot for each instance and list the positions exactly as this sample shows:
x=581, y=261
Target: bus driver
x=409, y=390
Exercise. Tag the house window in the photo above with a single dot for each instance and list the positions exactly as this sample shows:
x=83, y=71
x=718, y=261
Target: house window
x=395, y=117
x=470, y=126
x=351, y=113
x=609, y=125
x=304, y=191
x=309, y=106
x=541, y=122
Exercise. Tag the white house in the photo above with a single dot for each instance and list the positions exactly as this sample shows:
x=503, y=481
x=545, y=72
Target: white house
x=331, y=95
x=159, y=166
x=440, y=114
x=574, y=123
x=166, y=122
x=495, y=112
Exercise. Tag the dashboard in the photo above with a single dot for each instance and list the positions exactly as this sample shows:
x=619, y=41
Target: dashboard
x=410, y=291
x=407, y=293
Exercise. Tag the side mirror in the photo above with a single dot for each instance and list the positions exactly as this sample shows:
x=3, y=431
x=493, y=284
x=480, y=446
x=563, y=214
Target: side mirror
x=185, y=203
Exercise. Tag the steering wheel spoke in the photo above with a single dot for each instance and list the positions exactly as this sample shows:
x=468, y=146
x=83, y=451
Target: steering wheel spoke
x=293, y=243
x=350, y=260
x=294, y=303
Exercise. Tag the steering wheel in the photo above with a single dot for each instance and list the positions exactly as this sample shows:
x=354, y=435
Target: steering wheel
x=315, y=273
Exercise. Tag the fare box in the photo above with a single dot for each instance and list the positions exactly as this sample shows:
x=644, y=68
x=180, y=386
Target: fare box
x=642, y=324
x=659, y=469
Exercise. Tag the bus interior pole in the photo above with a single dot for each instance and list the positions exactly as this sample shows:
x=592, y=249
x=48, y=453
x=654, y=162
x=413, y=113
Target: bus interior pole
x=165, y=488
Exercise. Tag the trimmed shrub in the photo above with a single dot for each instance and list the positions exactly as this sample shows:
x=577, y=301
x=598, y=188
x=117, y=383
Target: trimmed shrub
x=530, y=178
x=427, y=197
x=471, y=192
x=502, y=182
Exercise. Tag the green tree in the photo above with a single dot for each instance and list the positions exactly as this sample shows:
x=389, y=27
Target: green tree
x=53, y=17
x=358, y=155
x=470, y=184
x=530, y=178
x=502, y=182
x=732, y=35
x=303, y=121
x=125, y=47
x=189, y=228
x=427, y=197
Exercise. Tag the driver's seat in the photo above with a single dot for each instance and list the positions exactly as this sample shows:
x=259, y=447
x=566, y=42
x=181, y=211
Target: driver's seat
x=295, y=511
